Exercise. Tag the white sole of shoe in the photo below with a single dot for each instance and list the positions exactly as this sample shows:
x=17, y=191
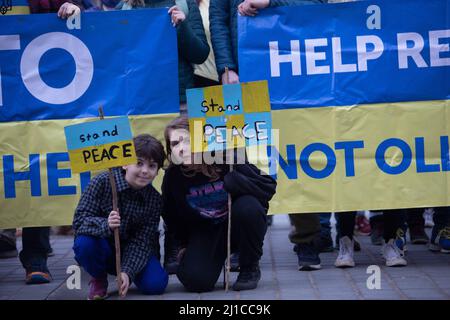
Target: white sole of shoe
x=310, y=267
x=344, y=264
x=396, y=263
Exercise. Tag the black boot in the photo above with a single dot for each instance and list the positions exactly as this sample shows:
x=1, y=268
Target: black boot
x=171, y=250
x=248, y=278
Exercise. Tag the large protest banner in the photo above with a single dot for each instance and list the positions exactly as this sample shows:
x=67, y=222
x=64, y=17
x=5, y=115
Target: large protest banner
x=52, y=76
x=360, y=92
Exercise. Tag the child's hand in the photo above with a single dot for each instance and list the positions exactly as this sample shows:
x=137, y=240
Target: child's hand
x=125, y=284
x=177, y=15
x=67, y=10
x=114, y=220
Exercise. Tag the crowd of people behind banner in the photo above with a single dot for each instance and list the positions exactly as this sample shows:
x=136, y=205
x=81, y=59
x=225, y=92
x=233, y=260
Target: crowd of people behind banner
x=194, y=201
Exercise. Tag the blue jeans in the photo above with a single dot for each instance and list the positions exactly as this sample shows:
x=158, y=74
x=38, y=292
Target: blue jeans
x=97, y=257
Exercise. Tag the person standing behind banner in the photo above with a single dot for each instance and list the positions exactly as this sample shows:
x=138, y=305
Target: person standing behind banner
x=137, y=219
x=192, y=44
x=35, y=240
x=223, y=16
x=195, y=198
x=224, y=37
x=205, y=74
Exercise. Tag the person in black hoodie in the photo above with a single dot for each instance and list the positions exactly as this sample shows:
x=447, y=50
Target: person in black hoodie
x=195, y=200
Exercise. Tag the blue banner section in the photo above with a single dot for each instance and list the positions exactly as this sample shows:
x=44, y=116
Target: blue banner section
x=348, y=53
x=97, y=133
x=125, y=61
x=18, y=2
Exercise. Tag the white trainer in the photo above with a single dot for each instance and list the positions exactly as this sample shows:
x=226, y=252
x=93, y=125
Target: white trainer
x=345, y=257
x=393, y=255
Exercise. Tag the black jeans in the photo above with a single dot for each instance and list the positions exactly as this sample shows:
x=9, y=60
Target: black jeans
x=36, y=245
x=206, y=251
x=392, y=220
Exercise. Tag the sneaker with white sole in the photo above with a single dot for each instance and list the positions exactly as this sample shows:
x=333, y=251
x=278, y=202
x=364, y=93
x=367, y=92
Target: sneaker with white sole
x=393, y=255
x=400, y=240
x=440, y=240
x=345, y=257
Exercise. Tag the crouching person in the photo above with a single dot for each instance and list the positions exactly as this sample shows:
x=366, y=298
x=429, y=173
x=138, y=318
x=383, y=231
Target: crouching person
x=137, y=219
x=195, y=198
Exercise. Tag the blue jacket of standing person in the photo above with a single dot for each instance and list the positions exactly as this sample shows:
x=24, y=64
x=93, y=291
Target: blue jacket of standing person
x=223, y=25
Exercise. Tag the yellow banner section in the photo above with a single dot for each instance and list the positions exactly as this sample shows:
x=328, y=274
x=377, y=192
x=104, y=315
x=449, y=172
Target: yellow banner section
x=40, y=190
x=376, y=156
x=421, y=181
x=102, y=157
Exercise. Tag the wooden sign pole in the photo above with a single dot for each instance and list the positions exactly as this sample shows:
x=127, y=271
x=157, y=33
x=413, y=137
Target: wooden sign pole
x=116, y=230
x=228, y=265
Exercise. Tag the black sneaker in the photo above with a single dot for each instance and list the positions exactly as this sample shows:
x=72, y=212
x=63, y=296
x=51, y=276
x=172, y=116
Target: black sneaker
x=37, y=273
x=247, y=279
x=308, y=257
x=170, y=254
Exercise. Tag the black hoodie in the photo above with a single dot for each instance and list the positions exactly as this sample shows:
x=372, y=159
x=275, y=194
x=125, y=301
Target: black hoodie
x=191, y=201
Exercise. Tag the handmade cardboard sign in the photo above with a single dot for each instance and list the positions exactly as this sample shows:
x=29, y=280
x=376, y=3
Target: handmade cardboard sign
x=100, y=144
x=229, y=116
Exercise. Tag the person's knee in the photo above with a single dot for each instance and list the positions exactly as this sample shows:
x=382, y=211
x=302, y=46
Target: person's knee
x=247, y=209
x=195, y=281
x=153, y=285
x=85, y=247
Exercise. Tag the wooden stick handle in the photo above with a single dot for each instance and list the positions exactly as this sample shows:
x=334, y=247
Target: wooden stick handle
x=227, y=75
x=115, y=208
x=227, y=271
x=116, y=232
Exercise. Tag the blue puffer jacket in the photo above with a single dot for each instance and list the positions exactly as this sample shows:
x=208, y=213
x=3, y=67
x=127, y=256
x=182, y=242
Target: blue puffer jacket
x=223, y=25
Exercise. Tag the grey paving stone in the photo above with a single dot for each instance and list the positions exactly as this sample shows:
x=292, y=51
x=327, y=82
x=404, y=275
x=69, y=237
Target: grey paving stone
x=427, y=294
x=380, y=294
x=297, y=294
x=410, y=283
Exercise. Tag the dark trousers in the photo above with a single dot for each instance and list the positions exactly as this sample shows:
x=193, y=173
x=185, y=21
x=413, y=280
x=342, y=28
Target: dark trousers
x=306, y=227
x=97, y=257
x=441, y=218
x=206, y=251
x=392, y=221
x=36, y=245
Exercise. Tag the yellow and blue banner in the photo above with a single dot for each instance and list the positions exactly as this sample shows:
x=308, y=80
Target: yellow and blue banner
x=229, y=116
x=360, y=95
x=52, y=77
x=14, y=7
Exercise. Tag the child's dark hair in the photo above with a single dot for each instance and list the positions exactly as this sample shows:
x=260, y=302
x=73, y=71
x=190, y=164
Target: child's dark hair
x=210, y=171
x=149, y=148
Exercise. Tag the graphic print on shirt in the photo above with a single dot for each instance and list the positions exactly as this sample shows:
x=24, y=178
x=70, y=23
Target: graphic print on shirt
x=210, y=200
